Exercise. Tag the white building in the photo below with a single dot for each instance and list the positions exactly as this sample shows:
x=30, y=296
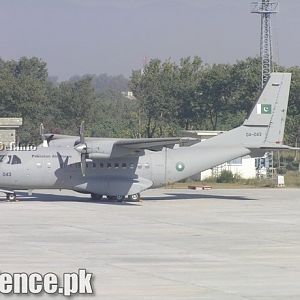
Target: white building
x=8, y=127
x=129, y=95
x=243, y=167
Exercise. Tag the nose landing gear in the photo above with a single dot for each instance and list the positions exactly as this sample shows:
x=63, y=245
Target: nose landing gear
x=96, y=196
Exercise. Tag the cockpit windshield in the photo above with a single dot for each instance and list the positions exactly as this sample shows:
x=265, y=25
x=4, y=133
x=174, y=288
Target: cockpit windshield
x=10, y=159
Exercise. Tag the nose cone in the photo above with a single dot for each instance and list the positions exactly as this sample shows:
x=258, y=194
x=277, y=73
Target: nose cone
x=81, y=148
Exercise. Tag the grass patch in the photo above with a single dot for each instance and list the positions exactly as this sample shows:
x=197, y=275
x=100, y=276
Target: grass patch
x=291, y=178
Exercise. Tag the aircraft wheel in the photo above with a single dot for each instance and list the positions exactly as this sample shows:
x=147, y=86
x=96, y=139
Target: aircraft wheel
x=11, y=196
x=134, y=197
x=96, y=196
x=118, y=198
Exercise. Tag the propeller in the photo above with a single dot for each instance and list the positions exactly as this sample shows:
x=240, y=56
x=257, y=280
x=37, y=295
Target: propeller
x=82, y=148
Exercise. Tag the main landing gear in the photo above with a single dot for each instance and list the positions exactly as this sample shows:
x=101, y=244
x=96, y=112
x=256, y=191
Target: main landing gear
x=11, y=196
x=134, y=197
x=118, y=198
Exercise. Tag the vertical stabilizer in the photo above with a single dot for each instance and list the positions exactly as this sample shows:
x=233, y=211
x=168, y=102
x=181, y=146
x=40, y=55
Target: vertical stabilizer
x=265, y=125
x=271, y=108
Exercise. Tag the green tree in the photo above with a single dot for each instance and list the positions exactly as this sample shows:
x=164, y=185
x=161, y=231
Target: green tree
x=215, y=93
x=189, y=100
x=153, y=89
x=292, y=129
x=75, y=103
x=24, y=93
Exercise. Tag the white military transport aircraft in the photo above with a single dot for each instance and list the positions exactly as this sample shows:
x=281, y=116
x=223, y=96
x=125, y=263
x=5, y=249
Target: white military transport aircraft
x=125, y=167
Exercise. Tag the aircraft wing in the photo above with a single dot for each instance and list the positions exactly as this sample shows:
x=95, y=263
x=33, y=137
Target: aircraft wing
x=98, y=148
x=55, y=136
x=154, y=144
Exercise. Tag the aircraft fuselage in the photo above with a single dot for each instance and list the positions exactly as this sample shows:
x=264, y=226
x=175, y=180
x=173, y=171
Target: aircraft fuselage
x=59, y=168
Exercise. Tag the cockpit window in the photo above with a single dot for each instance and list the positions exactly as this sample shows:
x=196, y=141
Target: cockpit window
x=6, y=159
x=10, y=159
x=15, y=160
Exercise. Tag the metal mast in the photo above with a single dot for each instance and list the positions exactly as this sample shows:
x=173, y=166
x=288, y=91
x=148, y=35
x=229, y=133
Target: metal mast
x=265, y=8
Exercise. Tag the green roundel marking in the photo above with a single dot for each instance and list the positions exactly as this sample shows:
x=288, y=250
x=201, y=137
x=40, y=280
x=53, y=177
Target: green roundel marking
x=180, y=166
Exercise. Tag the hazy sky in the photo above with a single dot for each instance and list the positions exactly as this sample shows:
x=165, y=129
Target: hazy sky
x=113, y=36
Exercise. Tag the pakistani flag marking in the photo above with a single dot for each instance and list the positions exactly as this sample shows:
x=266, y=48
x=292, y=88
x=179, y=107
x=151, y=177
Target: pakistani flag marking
x=180, y=166
x=264, y=109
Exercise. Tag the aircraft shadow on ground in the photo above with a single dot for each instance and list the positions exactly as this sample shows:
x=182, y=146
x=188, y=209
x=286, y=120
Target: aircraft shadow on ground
x=183, y=196
x=39, y=197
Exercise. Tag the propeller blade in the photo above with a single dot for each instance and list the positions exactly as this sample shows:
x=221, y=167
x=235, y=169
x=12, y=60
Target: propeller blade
x=81, y=132
x=81, y=147
x=83, y=164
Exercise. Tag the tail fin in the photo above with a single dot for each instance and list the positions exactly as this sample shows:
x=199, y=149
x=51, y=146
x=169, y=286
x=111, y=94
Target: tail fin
x=264, y=128
x=271, y=108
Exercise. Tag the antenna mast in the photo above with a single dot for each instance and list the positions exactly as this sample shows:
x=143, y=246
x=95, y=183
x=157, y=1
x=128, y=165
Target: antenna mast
x=266, y=9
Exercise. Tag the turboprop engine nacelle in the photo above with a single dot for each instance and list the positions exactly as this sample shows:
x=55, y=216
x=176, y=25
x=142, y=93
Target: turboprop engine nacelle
x=104, y=150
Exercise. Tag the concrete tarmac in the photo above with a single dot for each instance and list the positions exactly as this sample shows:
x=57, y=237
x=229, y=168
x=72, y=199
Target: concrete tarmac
x=174, y=245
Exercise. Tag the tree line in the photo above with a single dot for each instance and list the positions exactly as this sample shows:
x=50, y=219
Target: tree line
x=169, y=96
x=194, y=95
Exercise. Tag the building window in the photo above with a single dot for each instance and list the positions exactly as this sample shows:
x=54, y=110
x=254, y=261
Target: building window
x=124, y=165
x=235, y=162
x=116, y=165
